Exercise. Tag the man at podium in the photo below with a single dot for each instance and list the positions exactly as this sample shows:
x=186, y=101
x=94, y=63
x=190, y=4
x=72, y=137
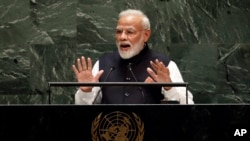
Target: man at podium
x=133, y=61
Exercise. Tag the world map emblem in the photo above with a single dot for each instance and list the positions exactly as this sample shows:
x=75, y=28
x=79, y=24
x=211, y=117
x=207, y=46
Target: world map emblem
x=117, y=126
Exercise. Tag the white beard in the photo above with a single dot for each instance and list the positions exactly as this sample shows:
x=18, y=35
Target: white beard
x=133, y=51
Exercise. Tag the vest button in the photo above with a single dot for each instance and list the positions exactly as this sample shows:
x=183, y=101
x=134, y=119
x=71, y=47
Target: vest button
x=126, y=94
x=128, y=78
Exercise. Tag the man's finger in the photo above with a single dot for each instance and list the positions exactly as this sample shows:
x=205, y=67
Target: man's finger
x=75, y=70
x=149, y=80
x=79, y=65
x=98, y=75
x=152, y=74
x=89, y=64
x=84, y=65
x=166, y=71
x=161, y=65
x=154, y=66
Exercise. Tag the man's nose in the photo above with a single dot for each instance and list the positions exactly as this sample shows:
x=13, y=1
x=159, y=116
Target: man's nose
x=123, y=35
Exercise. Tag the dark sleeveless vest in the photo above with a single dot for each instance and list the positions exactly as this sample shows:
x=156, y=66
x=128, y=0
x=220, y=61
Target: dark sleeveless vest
x=121, y=73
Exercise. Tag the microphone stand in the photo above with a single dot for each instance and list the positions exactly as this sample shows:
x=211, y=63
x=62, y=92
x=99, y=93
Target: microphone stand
x=140, y=88
x=98, y=93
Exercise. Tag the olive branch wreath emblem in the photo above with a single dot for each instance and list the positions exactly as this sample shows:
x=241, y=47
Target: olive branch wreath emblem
x=139, y=123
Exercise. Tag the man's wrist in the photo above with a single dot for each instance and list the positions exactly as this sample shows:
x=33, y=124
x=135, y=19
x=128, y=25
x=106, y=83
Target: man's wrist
x=86, y=90
x=167, y=88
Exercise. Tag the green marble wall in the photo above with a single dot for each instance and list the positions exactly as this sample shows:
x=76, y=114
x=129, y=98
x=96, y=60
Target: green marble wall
x=40, y=40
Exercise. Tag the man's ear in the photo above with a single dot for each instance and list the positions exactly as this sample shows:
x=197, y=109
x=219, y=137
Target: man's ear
x=147, y=34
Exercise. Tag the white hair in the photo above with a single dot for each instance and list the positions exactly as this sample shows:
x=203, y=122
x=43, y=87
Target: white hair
x=145, y=20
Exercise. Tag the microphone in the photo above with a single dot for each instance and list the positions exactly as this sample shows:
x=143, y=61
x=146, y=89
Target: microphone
x=140, y=88
x=130, y=69
x=98, y=93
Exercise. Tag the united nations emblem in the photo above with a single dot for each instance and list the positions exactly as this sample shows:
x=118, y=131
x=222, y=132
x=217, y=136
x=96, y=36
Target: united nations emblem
x=117, y=126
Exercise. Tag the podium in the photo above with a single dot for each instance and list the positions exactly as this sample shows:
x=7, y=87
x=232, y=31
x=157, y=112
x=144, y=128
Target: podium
x=131, y=84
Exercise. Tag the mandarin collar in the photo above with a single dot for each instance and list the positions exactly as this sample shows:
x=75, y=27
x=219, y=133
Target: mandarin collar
x=139, y=57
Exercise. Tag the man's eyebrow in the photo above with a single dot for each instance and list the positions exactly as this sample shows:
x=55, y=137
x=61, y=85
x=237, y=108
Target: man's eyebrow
x=129, y=28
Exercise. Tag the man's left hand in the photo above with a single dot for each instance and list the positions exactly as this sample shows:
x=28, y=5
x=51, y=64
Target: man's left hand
x=159, y=73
